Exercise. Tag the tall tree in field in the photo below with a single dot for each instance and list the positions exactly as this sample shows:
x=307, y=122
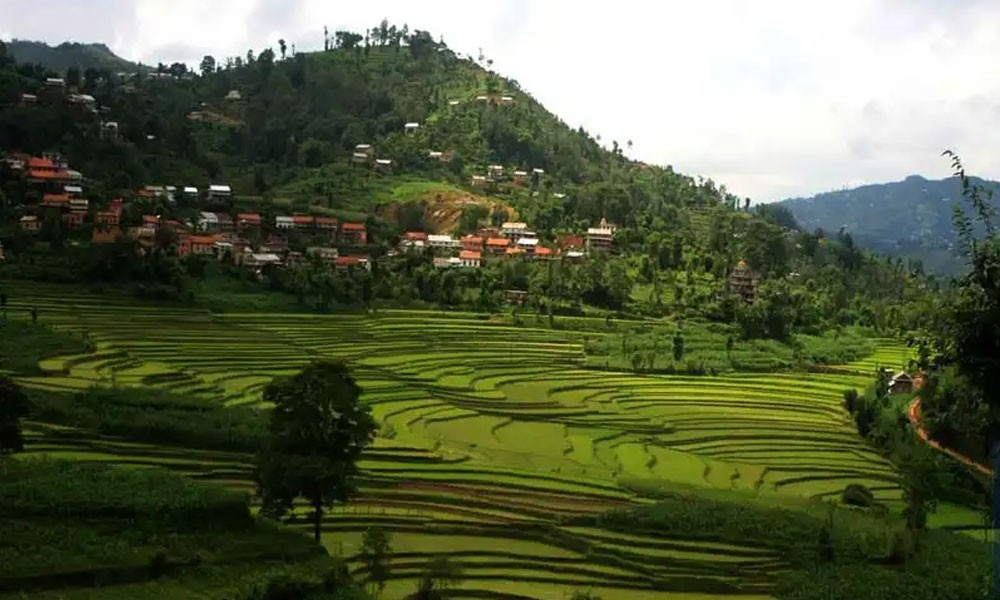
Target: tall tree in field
x=282, y=47
x=318, y=429
x=375, y=550
x=14, y=406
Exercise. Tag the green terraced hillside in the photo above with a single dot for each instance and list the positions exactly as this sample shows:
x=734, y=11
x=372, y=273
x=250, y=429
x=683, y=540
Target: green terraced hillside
x=493, y=437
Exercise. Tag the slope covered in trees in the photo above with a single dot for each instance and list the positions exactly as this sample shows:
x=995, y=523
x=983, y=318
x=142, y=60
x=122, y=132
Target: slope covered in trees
x=909, y=218
x=282, y=128
x=69, y=55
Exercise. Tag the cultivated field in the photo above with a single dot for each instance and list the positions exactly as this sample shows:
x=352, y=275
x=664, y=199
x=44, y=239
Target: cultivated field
x=493, y=437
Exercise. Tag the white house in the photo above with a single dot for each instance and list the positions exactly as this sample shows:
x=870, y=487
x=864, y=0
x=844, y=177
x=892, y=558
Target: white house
x=79, y=204
x=234, y=95
x=190, y=190
x=478, y=180
x=73, y=190
x=513, y=230
x=255, y=260
x=495, y=170
x=538, y=171
x=360, y=157
x=442, y=241
x=284, y=222
x=208, y=221
x=219, y=191
x=454, y=102
x=444, y=262
x=411, y=127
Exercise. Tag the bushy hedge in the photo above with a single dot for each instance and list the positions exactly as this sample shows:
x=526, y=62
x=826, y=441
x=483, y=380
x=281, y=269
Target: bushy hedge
x=57, y=489
x=711, y=348
x=156, y=417
x=25, y=343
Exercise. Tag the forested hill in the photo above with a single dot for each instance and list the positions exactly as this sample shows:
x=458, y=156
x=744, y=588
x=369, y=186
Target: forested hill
x=395, y=129
x=285, y=126
x=909, y=218
x=70, y=55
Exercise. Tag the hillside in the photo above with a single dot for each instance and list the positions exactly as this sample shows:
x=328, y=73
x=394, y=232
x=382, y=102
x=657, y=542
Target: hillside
x=69, y=55
x=909, y=218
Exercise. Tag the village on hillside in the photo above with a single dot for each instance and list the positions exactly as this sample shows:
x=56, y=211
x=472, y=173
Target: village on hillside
x=55, y=195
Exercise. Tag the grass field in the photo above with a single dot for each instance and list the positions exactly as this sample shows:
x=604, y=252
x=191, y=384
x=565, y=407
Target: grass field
x=492, y=437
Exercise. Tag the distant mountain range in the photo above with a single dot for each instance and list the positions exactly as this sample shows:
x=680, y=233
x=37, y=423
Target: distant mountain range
x=909, y=218
x=70, y=54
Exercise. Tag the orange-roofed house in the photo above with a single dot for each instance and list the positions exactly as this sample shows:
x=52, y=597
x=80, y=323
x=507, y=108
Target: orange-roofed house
x=354, y=234
x=247, y=220
x=150, y=221
x=74, y=218
x=106, y=236
x=109, y=217
x=497, y=245
x=325, y=223
x=303, y=222
x=470, y=258
x=343, y=263
x=415, y=236
x=543, y=253
x=472, y=243
x=571, y=242
x=196, y=244
x=514, y=252
x=44, y=170
x=56, y=200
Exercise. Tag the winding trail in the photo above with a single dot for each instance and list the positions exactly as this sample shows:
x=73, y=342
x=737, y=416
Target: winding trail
x=914, y=413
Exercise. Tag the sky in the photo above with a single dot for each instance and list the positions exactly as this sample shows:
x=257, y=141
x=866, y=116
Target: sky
x=771, y=98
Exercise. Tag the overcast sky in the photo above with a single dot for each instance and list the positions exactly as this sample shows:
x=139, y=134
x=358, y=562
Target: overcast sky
x=771, y=98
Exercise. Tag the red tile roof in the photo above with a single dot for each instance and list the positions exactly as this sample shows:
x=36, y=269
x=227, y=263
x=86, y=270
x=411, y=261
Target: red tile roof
x=40, y=163
x=326, y=221
x=571, y=241
x=303, y=220
x=36, y=174
x=469, y=255
x=344, y=261
x=200, y=239
x=543, y=251
x=353, y=226
x=498, y=242
x=150, y=220
x=415, y=236
x=55, y=198
x=472, y=240
x=249, y=217
x=512, y=251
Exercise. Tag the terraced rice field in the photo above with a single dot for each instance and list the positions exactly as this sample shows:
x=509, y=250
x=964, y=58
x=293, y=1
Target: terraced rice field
x=492, y=436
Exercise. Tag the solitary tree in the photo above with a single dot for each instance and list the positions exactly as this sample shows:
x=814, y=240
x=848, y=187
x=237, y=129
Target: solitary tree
x=375, y=550
x=283, y=47
x=440, y=575
x=14, y=406
x=678, y=347
x=207, y=65
x=318, y=429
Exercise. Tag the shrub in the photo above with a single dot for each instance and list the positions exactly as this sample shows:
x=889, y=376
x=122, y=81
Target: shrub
x=856, y=494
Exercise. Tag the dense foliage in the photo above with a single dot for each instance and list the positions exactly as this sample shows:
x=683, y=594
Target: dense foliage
x=318, y=429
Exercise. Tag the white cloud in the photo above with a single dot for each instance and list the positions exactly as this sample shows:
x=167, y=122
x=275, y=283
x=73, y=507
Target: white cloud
x=771, y=98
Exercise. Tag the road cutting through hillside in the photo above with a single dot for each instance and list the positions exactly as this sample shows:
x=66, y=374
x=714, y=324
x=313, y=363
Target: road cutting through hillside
x=914, y=414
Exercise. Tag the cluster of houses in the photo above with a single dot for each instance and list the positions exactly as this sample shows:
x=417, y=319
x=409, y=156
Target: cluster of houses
x=510, y=240
x=497, y=174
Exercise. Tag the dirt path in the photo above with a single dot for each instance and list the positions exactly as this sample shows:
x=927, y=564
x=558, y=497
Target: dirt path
x=914, y=413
